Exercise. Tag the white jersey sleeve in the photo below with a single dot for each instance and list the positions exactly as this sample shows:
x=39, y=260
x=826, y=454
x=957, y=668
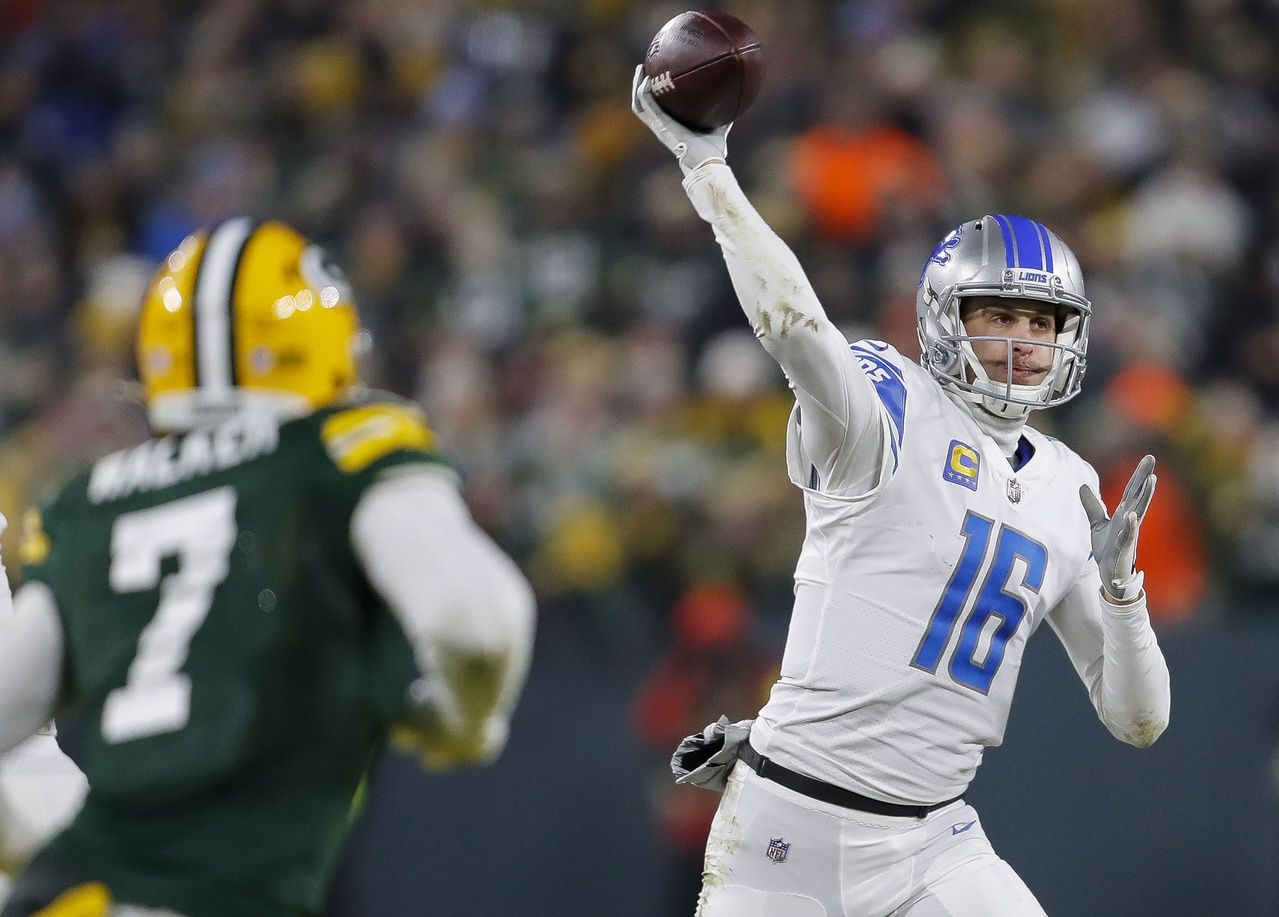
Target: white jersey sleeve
x=454, y=592
x=30, y=662
x=839, y=436
x=1114, y=650
x=41, y=789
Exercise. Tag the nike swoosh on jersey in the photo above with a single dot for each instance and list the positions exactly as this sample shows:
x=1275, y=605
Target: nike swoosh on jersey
x=960, y=829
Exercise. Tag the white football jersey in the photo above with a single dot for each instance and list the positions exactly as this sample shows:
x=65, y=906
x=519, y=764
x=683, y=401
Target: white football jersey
x=914, y=601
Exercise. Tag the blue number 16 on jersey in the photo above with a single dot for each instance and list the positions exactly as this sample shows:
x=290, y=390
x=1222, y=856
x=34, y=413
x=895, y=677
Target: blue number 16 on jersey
x=993, y=604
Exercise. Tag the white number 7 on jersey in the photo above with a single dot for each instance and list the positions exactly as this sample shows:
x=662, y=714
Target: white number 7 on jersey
x=200, y=531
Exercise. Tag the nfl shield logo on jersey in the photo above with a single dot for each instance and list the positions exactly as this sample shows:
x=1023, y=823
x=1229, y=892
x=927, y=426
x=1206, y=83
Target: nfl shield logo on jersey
x=1014, y=490
x=777, y=848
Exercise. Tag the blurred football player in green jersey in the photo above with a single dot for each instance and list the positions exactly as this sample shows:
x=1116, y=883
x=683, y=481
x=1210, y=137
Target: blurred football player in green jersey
x=242, y=608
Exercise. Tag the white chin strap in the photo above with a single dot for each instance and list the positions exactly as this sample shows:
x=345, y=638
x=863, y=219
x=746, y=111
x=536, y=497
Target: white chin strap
x=997, y=406
x=1007, y=409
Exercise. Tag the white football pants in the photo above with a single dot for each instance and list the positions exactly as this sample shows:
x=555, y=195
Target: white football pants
x=776, y=853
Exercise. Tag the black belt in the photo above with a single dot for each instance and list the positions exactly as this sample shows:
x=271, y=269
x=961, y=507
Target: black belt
x=825, y=792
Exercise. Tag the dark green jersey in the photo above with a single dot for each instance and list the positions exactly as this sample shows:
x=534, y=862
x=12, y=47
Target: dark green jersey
x=232, y=665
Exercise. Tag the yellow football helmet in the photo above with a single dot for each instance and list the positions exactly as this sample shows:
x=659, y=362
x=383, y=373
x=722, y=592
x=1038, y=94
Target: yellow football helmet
x=245, y=316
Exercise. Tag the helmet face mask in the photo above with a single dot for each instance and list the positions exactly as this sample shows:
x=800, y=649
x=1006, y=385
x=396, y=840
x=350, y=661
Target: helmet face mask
x=1007, y=257
x=245, y=318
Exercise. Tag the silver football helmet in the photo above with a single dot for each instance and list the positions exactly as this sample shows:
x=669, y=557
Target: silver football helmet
x=1012, y=257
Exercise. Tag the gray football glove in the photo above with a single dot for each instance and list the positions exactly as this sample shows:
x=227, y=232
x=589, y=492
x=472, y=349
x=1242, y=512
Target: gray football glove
x=692, y=148
x=1114, y=538
x=706, y=758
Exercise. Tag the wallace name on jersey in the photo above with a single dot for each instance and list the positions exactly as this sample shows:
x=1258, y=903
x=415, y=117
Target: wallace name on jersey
x=159, y=463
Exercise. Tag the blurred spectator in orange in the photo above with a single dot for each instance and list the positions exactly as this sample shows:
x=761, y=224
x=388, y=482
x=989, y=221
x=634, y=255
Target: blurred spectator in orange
x=1153, y=401
x=857, y=172
x=1173, y=551
x=715, y=664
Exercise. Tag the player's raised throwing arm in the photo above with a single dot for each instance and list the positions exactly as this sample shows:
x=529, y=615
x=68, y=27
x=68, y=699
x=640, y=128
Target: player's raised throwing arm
x=837, y=402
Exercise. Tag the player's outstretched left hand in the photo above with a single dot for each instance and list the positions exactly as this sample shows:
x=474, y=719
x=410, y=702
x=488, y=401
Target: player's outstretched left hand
x=692, y=148
x=1114, y=538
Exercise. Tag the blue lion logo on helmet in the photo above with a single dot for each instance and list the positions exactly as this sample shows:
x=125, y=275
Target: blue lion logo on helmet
x=941, y=254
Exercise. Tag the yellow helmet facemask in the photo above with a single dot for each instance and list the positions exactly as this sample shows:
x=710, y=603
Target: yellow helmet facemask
x=245, y=317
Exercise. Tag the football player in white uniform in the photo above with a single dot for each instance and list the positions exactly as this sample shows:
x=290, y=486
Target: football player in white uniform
x=941, y=532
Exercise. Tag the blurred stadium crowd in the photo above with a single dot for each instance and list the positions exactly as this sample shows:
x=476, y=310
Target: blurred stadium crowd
x=529, y=269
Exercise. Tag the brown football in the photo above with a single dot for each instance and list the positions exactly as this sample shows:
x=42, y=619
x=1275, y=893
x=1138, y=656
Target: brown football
x=705, y=69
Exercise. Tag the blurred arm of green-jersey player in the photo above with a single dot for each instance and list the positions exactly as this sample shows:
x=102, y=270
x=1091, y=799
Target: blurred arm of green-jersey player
x=466, y=608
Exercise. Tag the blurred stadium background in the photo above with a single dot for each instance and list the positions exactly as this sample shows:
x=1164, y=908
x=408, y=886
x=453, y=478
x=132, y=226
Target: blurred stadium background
x=531, y=272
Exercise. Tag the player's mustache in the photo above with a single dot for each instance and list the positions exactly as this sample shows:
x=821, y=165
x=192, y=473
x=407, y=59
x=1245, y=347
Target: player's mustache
x=1022, y=367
